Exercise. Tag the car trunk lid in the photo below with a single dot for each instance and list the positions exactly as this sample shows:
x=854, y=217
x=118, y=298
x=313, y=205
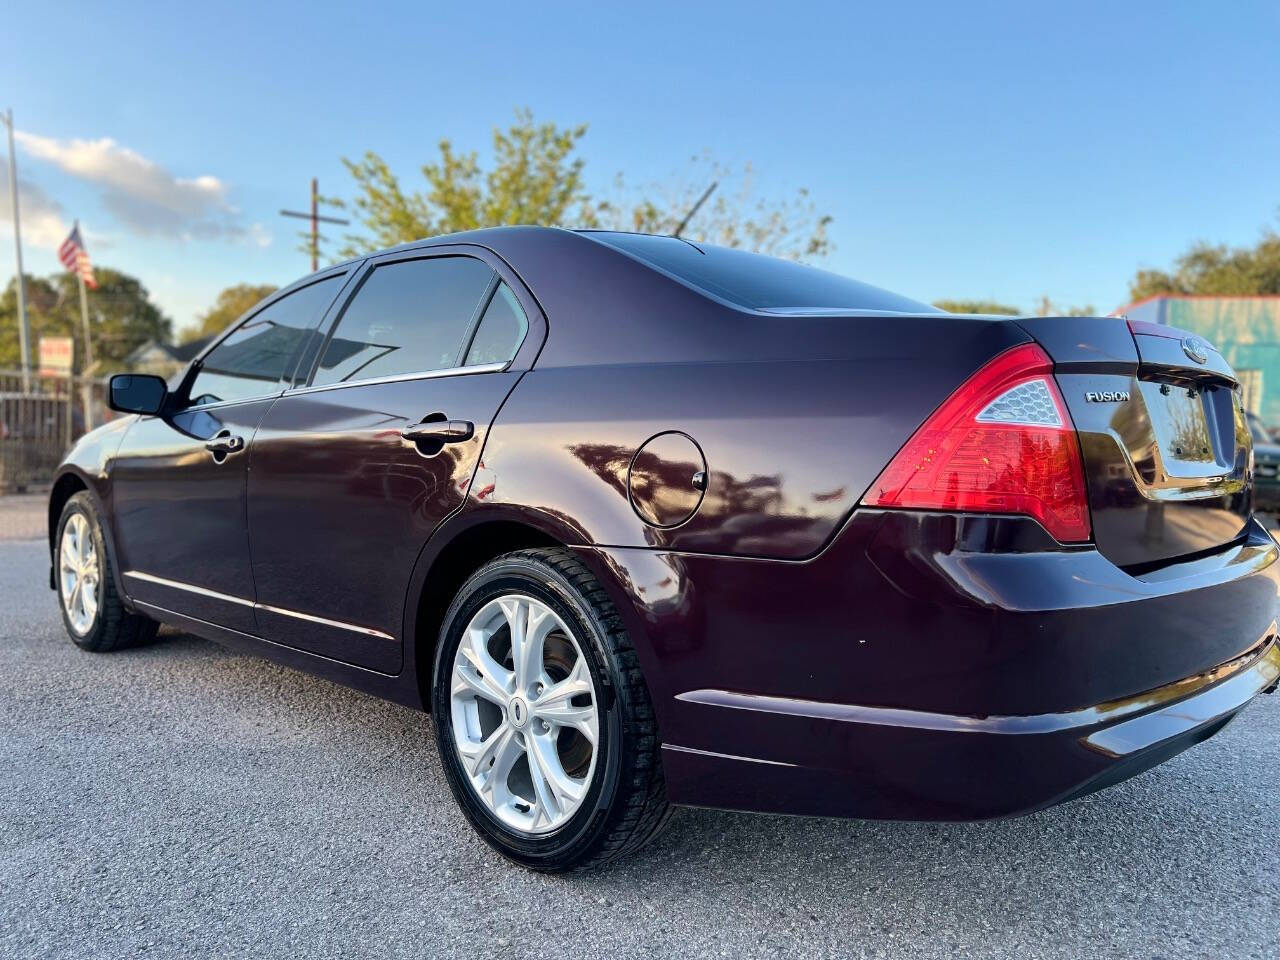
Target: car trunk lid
x=1165, y=443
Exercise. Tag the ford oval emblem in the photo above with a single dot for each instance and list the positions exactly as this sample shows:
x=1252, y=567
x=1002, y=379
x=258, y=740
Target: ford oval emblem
x=1196, y=349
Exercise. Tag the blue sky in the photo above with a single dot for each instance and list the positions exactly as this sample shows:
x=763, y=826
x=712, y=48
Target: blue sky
x=964, y=150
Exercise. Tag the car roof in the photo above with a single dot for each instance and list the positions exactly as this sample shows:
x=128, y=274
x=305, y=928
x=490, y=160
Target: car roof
x=604, y=305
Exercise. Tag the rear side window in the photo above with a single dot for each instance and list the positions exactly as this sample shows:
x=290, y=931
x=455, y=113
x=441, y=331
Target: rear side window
x=501, y=330
x=256, y=359
x=407, y=317
x=757, y=282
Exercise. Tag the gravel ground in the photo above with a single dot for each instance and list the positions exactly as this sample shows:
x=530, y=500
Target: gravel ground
x=183, y=801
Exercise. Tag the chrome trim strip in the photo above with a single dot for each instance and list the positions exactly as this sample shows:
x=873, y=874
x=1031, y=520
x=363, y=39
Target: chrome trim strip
x=724, y=756
x=231, y=403
x=404, y=377
x=367, y=631
x=1262, y=661
x=1122, y=739
x=215, y=595
x=275, y=644
x=188, y=587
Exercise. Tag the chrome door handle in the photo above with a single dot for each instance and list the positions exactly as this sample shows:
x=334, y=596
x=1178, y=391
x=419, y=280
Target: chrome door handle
x=225, y=444
x=440, y=431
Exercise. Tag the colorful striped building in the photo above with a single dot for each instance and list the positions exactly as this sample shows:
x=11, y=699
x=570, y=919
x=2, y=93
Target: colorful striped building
x=1245, y=329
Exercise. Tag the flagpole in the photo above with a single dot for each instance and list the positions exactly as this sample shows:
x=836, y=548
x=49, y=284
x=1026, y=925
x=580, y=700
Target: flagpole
x=88, y=347
x=24, y=335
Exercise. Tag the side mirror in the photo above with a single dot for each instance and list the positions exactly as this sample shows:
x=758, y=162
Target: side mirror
x=136, y=393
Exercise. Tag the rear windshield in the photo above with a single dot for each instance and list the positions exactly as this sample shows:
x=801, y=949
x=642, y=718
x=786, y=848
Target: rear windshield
x=755, y=281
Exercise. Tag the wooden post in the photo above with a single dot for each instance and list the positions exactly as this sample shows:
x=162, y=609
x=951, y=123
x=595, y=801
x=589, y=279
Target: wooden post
x=71, y=393
x=316, y=220
x=315, y=224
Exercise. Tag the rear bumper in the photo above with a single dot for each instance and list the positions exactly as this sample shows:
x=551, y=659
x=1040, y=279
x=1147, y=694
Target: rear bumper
x=897, y=764
x=929, y=667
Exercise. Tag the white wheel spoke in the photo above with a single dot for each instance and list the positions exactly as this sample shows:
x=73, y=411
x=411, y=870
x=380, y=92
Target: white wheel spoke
x=549, y=808
x=89, y=599
x=478, y=757
x=485, y=676
x=556, y=706
x=581, y=719
x=69, y=554
x=505, y=757
x=556, y=789
x=530, y=626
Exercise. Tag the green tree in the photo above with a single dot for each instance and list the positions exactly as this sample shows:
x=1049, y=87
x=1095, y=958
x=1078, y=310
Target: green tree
x=735, y=215
x=536, y=177
x=976, y=306
x=1217, y=270
x=230, y=305
x=121, y=317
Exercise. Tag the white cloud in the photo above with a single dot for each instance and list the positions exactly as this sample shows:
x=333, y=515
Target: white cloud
x=258, y=235
x=145, y=197
x=42, y=221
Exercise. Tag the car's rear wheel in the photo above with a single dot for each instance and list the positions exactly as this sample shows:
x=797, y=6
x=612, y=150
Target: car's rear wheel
x=92, y=611
x=544, y=724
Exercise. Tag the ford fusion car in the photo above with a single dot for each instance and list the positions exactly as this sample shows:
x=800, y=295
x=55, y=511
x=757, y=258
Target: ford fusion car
x=645, y=523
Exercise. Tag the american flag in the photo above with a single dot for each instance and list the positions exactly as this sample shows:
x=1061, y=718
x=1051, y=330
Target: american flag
x=76, y=258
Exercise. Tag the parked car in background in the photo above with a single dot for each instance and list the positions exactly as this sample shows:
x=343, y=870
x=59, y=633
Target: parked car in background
x=1266, y=466
x=644, y=522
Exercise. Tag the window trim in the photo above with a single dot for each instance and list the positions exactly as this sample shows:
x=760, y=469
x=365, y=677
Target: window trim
x=443, y=373
x=502, y=273
x=290, y=373
x=486, y=303
x=476, y=316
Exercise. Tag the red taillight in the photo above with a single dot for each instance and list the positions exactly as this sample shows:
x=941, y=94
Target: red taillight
x=1002, y=443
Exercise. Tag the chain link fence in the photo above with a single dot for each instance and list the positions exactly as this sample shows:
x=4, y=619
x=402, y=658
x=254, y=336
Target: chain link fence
x=40, y=420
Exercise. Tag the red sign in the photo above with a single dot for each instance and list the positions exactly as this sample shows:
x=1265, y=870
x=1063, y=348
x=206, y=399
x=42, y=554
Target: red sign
x=56, y=354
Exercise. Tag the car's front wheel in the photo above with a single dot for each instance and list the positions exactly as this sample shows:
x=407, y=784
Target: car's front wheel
x=544, y=724
x=92, y=611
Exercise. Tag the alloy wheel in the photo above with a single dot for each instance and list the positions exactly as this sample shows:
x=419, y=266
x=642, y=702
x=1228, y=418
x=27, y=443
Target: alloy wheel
x=79, y=574
x=524, y=713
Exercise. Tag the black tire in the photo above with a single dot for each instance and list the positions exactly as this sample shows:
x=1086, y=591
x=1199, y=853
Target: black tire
x=626, y=804
x=114, y=627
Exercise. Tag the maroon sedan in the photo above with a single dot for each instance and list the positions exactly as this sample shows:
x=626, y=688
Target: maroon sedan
x=645, y=522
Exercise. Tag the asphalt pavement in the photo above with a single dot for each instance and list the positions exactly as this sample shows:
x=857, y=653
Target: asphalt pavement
x=185, y=801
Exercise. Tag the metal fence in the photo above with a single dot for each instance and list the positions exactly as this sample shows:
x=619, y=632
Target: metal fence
x=39, y=421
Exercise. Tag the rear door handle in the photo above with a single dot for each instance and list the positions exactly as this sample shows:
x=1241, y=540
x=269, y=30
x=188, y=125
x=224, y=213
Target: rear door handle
x=441, y=431
x=225, y=444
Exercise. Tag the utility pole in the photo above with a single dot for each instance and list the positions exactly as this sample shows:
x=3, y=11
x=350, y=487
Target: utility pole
x=88, y=347
x=316, y=219
x=24, y=334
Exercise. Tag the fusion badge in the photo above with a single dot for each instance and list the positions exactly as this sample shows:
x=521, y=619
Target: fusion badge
x=1107, y=396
